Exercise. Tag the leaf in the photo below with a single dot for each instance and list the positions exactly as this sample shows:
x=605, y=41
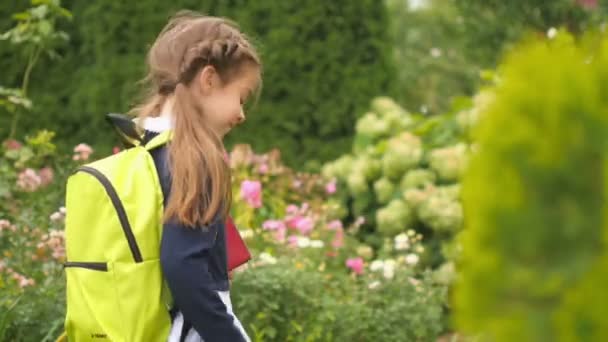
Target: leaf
x=45, y=28
x=65, y=13
x=40, y=12
x=22, y=16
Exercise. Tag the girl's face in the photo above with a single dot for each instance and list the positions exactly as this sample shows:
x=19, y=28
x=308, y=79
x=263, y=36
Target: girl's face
x=223, y=103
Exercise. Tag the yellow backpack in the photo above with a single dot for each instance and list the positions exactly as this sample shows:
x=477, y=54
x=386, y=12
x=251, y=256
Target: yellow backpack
x=115, y=288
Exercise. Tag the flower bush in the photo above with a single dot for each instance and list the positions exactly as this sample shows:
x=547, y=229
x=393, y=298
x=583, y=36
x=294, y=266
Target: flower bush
x=32, y=175
x=292, y=221
x=404, y=174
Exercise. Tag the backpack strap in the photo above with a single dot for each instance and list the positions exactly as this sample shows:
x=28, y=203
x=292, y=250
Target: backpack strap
x=159, y=140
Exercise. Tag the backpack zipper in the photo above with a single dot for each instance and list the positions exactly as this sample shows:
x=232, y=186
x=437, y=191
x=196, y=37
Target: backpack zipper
x=97, y=266
x=120, y=210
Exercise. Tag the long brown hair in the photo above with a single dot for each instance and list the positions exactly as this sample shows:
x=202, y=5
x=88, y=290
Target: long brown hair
x=200, y=185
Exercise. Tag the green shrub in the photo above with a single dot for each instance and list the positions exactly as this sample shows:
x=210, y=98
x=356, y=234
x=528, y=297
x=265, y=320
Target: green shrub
x=281, y=303
x=534, y=247
x=323, y=61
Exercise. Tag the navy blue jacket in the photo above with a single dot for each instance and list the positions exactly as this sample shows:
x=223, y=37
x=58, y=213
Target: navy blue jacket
x=194, y=264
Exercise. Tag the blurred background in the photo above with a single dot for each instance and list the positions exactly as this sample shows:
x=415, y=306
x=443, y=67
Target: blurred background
x=414, y=170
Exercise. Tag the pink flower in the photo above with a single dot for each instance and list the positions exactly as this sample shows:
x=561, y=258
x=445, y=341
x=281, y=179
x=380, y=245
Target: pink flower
x=297, y=183
x=338, y=240
x=590, y=4
x=115, y=150
x=292, y=209
x=82, y=152
x=46, y=176
x=305, y=225
x=29, y=180
x=334, y=225
x=331, y=187
x=251, y=192
x=292, y=241
x=4, y=224
x=12, y=144
x=280, y=234
x=273, y=225
x=263, y=169
x=355, y=264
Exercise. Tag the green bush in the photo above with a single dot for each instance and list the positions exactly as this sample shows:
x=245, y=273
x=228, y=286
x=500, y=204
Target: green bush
x=534, y=247
x=281, y=303
x=404, y=172
x=323, y=61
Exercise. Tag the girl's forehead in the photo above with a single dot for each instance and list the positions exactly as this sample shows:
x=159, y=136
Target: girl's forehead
x=249, y=77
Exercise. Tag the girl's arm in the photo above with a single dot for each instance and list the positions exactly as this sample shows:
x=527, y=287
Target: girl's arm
x=185, y=263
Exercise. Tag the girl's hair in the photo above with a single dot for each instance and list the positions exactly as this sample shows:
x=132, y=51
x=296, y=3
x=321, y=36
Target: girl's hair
x=200, y=185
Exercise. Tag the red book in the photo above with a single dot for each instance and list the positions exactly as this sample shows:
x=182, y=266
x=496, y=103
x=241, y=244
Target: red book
x=236, y=249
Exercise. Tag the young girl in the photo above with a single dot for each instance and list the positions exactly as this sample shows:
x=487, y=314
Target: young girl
x=201, y=71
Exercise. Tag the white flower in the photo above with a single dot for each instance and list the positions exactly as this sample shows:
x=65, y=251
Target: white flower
x=402, y=242
x=551, y=33
x=374, y=285
x=303, y=242
x=389, y=269
x=317, y=244
x=436, y=52
x=419, y=249
x=62, y=210
x=246, y=233
x=376, y=265
x=266, y=258
x=56, y=216
x=412, y=259
x=365, y=251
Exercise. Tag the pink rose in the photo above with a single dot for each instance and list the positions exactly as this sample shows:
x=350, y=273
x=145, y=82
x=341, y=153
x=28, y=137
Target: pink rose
x=334, y=225
x=46, y=176
x=263, y=169
x=292, y=241
x=280, y=234
x=29, y=180
x=331, y=187
x=355, y=264
x=292, y=209
x=12, y=144
x=273, y=225
x=338, y=240
x=590, y=4
x=305, y=225
x=82, y=152
x=251, y=192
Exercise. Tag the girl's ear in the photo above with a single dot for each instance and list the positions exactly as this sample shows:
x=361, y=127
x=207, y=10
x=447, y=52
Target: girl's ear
x=207, y=79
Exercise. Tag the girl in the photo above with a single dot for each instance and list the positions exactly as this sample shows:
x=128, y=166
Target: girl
x=201, y=71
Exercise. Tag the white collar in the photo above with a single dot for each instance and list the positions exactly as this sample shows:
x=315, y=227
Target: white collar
x=164, y=121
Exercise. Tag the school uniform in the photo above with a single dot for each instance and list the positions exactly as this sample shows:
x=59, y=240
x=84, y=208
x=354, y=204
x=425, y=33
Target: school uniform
x=194, y=264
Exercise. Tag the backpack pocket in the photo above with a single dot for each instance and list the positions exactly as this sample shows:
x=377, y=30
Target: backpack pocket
x=89, y=286
x=139, y=288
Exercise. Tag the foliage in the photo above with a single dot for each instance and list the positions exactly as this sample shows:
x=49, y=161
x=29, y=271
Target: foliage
x=323, y=61
x=534, y=198
x=293, y=305
x=404, y=172
x=35, y=34
x=433, y=66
